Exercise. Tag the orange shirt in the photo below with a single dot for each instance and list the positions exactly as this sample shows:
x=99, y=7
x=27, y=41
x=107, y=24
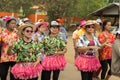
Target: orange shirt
x=5, y=37
x=106, y=52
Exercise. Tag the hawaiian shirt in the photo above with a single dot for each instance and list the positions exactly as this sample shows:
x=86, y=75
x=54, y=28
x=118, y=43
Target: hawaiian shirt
x=5, y=37
x=84, y=42
x=106, y=52
x=53, y=44
x=26, y=51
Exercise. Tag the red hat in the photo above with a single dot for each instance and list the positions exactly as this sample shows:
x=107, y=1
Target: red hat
x=60, y=20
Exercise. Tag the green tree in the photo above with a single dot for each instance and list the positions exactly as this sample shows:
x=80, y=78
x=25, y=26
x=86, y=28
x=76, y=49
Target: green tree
x=55, y=8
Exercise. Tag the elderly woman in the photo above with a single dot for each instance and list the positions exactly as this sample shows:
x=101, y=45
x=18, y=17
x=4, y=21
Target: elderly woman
x=87, y=46
x=54, y=49
x=106, y=52
x=115, y=66
x=40, y=31
x=6, y=36
x=28, y=55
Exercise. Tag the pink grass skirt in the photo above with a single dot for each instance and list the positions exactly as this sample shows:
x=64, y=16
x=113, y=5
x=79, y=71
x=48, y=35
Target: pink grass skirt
x=26, y=70
x=54, y=62
x=87, y=63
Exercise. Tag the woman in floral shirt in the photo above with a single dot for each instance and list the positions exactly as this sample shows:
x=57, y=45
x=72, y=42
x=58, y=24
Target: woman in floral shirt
x=28, y=55
x=54, y=49
x=106, y=52
x=7, y=35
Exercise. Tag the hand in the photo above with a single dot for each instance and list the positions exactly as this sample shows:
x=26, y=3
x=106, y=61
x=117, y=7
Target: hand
x=109, y=44
x=93, y=47
x=35, y=64
x=56, y=53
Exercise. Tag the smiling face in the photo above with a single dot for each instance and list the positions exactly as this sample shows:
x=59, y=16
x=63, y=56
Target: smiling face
x=90, y=28
x=42, y=28
x=54, y=29
x=108, y=26
x=27, y=32
x=11, y=24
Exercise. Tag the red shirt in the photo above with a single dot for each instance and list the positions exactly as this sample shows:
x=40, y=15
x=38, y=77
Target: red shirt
x=106, y=52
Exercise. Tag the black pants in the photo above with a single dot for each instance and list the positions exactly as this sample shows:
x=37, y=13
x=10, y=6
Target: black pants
x=46, y=75
x=105, y=68
x=86, y=75
x=4, y=70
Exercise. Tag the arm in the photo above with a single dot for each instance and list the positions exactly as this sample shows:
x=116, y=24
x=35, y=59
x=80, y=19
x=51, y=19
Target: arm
x=74, y=42
x=37, y=61
x=61, y=52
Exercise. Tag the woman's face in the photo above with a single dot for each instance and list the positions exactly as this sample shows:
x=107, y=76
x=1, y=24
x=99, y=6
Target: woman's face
x=11, y=24
x=54, y=30
x=108, y=26
x=90, y=28
x=28, y=32
x=42, y=29
x=118, y=36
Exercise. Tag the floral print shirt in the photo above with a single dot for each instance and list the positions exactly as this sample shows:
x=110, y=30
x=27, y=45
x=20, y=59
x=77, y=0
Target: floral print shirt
x=53, y=44
x=5, y=37
x=26, y=51
x=106, y=52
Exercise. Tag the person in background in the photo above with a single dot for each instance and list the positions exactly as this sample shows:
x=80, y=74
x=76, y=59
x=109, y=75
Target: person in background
x=75, y=39
x=28, y=65
x=8, y=35
x=40, y=34
x=40, y=31
x=81, y=31
x=62, y=28
x=27, y=21
x=115, y=65
x=106, y=52
x=54, y=49
x=99, y=30
x=87, y=45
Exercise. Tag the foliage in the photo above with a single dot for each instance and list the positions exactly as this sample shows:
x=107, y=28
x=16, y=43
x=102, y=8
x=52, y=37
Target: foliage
x=14, y=6
x=55, y=8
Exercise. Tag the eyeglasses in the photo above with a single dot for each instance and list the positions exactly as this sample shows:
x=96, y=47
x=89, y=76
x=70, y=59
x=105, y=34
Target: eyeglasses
x=89, y=26
x=28, y=31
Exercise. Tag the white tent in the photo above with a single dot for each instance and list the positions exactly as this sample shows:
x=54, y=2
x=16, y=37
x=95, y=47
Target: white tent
x=111, y=10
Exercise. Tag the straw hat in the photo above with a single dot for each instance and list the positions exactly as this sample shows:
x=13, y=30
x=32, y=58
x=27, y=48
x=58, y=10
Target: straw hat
x=92, y=22
x=23, y=26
